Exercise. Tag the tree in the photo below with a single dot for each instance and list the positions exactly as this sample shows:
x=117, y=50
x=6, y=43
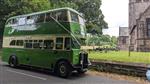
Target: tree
x=18, y=7
x=91, y=11
x=93, y=15
x=89, y=8
x=63, y=3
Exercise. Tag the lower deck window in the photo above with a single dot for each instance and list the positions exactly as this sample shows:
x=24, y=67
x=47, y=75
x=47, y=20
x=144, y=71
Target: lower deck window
x=28, y=45
x=48, y=44
x=59, y=43
x=36, y=45
x=67, y=43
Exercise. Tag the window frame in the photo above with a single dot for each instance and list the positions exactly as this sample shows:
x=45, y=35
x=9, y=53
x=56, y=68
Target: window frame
x=62, y=44
x=71, y=12
x=12, y=41
x=51, y=42
x=65, y=47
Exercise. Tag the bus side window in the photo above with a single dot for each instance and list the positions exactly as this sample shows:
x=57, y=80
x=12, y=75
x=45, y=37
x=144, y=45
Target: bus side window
x=74, y=17
x=59, y=43
x=19, y=43
x=40, y=18
x=48, y=44
x=14, y=22
x=67, y=43
x=13, y=42
x=22, y=21
x=53, y=15
x=61, y=16
x=36, y=45
x=28, y=45
x=48, y=17
x=41, y=44
x=31, y=19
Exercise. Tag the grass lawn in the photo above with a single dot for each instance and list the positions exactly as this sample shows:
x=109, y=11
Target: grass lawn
x=121, y=56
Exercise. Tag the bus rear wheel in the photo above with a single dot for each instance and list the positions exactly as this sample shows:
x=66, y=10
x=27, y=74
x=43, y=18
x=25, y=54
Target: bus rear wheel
x=13, y=61
x=63, y=69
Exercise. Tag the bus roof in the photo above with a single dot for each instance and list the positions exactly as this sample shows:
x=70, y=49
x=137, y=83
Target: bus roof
x=52, y=10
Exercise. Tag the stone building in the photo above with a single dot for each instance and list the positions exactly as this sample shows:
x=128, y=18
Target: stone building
x=139, y=25
x=123, y=39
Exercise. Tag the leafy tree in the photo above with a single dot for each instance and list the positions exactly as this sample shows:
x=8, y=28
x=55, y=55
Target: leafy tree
x=18, y=7
x=63, y=3
x=102, y=40
x=91, y=11
x=89, y=8
x=93, y=15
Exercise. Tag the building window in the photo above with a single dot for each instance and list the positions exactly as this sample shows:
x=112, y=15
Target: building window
x=148, y=27
x=124, y=40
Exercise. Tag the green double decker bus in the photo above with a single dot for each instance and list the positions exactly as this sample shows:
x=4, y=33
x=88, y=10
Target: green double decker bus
x=50, y=39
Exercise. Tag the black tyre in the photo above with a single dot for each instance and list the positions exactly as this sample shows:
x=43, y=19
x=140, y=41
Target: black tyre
x=63, y=69
x=13, y=61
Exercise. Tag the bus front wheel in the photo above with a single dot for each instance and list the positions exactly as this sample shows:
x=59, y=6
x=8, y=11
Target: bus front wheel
x=63, y=69
x=13, y=61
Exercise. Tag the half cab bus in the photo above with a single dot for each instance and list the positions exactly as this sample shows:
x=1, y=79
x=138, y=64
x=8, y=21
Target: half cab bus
x=50, y=39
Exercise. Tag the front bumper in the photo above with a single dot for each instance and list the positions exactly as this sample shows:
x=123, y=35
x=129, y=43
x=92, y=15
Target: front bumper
x=82, y=66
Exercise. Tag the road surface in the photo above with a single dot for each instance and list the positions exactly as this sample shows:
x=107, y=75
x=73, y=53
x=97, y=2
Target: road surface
x=31, y=76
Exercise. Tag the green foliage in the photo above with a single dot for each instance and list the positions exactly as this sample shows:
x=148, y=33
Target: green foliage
x=89, y=8
x=102, y=40
x=121, y=56
x=93, y=15
x=91, y=11
x=63, y=3
x=11, y=8
x=18, y=7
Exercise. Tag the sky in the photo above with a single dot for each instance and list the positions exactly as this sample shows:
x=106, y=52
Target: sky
x=116, y=14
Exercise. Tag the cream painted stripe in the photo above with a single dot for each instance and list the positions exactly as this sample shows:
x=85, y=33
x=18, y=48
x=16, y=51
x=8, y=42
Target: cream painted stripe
x=37, y=77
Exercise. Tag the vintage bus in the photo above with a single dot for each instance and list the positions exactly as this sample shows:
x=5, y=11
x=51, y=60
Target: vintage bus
x=50, y=39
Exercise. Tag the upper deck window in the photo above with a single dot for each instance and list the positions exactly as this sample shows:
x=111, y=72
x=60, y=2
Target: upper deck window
x=81, y=20
x=74, y=17
x=13, y=22
x=58, y=15
x=40, y=18
x=22, y=21
x=61, y=16
x=31, y=19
